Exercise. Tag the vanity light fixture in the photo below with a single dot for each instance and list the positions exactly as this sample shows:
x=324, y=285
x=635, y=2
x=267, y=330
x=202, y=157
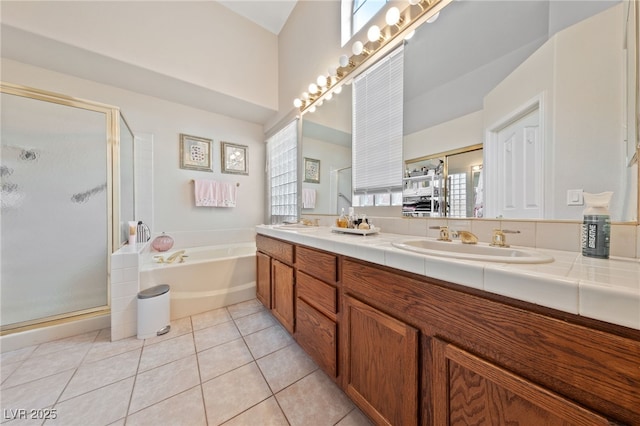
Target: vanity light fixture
x=358, y=49
x=374, y=34
x=393, y=17
x=400, y=24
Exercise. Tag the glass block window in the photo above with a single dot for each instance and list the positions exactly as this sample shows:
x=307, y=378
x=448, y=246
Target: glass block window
x=282, y=166
x=458, y=195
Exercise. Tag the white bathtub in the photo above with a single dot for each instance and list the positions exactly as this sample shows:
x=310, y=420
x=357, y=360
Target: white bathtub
x=209, y=278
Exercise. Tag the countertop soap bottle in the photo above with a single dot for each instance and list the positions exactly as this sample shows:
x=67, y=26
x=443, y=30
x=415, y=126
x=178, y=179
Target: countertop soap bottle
x=342, y=220
x=596, y=226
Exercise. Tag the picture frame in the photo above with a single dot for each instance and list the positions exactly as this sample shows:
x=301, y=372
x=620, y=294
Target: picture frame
x=311, y=170
x=196, y=153
x=234, y=158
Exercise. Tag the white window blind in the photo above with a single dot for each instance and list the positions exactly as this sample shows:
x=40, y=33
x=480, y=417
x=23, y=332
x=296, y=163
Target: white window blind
x=282, y=166
x=377, y=126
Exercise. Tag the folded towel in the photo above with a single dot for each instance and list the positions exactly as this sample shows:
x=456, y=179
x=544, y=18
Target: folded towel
x=308, y=198
x=205, y=192
x=227, y=194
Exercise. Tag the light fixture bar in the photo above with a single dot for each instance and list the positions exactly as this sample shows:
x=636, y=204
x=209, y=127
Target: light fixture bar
x=380, y=42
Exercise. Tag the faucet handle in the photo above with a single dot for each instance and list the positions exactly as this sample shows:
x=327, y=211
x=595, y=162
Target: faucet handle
x=499, y=239
x=444, y=232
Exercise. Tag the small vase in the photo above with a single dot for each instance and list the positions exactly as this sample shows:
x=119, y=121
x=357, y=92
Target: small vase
x=162, y=242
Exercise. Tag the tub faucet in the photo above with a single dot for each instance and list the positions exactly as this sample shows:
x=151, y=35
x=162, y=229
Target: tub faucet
x=179, y=256
x=499, y=239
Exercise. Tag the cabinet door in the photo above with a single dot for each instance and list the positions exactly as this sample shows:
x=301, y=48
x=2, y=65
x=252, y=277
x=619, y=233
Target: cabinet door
x=381, y=364
x=469, y=390
x=317, y=335
x=282, y=295
x=263, y=279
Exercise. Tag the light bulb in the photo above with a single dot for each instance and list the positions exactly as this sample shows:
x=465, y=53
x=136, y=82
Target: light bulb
x=357, y=48
x=297, y=103
x=337, y=90
x=433, y=18
x=374, y=33
x=333, y=70
x=312, y=109
x=414, y=2
x=410, y=35
x=313, y=88
x=305, y=96
x=329, y=96
x=322, y=81
x=320, y=103
x=344, y=60
x=393, y=16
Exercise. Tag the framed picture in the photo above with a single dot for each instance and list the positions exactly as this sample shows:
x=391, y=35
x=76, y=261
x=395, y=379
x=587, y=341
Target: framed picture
x=195, y=153
x=234, y=158
x=311, y=170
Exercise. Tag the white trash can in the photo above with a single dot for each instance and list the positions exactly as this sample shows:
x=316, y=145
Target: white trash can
x=153, y=311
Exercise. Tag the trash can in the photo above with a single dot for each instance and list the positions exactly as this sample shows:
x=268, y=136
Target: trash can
x=153, y=311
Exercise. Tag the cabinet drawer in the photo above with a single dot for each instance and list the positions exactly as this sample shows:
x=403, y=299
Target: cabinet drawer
x=317, y=335
x=318, y=294
x=318, y=264
x=275, y=248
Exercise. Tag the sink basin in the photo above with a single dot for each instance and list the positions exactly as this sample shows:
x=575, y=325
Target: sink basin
x=481, y=252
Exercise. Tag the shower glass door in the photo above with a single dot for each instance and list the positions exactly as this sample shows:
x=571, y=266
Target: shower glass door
x=55, y=163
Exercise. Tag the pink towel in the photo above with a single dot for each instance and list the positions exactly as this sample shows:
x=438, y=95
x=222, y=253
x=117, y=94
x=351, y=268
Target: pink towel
x=227, y=194
x=206, y=193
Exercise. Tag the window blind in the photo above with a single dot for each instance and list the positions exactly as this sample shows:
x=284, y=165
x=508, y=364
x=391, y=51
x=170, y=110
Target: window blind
x=377, y=126
x=282, y=166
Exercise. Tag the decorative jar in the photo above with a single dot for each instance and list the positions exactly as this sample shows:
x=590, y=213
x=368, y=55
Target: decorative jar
x=162, y=242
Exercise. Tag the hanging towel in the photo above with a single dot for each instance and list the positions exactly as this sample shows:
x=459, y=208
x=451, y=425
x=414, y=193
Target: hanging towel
x=308, y=198
x=205, y=192
x=227, y=194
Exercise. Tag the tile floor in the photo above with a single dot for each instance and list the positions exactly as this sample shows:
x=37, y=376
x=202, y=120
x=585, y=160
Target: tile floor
x=231, y=366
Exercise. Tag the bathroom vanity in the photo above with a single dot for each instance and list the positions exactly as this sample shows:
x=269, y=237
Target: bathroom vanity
x=411, y=348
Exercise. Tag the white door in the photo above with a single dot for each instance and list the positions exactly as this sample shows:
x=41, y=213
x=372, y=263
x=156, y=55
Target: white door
x=519, y=173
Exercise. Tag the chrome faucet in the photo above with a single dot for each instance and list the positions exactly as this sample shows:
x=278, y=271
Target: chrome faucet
x=499, y=239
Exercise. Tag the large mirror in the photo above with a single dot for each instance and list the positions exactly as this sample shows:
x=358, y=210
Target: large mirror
x=560, y=75
x=326, y=152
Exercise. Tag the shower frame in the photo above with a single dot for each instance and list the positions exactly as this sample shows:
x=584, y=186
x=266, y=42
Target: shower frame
x=112, y=123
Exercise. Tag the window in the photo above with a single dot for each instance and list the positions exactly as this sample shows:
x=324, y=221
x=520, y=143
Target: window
x=282, y=164
x=377, y=132
x=356, y=14
x=458, y=195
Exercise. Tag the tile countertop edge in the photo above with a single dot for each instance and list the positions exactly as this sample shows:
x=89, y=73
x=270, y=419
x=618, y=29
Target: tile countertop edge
x=551, y=285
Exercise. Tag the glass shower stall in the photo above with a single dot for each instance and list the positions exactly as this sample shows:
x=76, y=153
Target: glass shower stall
x=66, y=169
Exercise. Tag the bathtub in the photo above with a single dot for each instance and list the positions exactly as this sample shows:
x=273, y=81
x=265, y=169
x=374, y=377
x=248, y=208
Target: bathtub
x=209, y=278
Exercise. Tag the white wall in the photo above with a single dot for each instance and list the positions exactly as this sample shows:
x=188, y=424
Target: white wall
x=582, y=110
x=197, y=42
x=459, y=133
x=173, y=199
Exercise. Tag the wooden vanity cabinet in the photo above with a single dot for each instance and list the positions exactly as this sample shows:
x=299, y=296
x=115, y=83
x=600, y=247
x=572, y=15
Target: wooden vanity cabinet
x=413, y=350
x=380, y=364
x=317, y=307
x=470, y=390
x=275, y=281
x=263, y=279
x=487, y=359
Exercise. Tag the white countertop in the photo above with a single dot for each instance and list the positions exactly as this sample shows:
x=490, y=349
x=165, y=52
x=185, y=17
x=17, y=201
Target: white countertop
x=607, y=290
